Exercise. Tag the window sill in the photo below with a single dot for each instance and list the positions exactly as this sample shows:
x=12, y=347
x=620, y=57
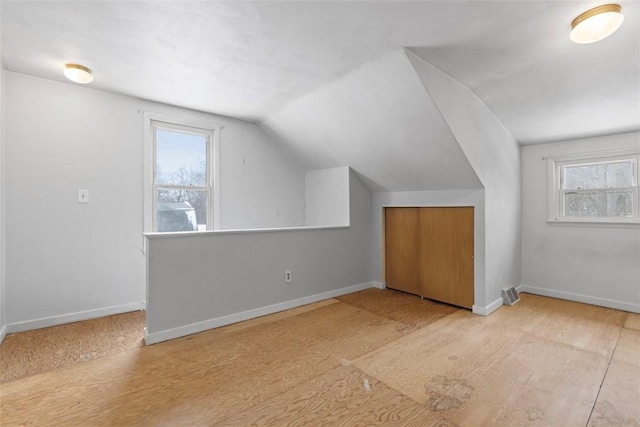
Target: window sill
x=594, y=223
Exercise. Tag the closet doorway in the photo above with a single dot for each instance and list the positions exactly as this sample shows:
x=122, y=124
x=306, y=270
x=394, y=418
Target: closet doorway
x=429, y=252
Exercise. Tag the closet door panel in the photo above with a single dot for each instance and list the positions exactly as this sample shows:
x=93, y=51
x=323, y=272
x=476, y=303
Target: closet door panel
x=401, y=249
x=446, y=255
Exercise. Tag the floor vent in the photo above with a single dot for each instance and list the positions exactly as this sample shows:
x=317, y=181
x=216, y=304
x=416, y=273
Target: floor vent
x=510, y=296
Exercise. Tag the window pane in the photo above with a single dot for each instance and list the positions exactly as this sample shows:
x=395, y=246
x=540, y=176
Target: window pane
x=182, y=210
x=599, y=175
x=181, y=158
x=598, y=204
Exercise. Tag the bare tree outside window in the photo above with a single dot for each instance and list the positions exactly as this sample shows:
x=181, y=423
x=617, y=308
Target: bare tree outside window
x=601, y=188
x=181, y=180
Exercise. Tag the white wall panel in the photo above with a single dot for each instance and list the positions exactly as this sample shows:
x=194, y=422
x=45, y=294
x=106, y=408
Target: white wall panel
x=200, y=281
x=593, y=263
x=65, y=258
x=326, y=197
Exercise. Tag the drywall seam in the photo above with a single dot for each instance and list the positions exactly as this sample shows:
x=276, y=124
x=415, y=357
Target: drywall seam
x=217, y=322
x=586, y=299
x=73, y=317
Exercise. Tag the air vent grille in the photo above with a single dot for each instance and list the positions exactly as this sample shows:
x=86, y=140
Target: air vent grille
x=510, y=296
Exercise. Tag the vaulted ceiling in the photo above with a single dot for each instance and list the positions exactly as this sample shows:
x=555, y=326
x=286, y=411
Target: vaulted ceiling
x=380, y=120
x=329, y=78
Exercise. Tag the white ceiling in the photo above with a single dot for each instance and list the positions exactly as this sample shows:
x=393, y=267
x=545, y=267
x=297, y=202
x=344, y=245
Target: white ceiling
x=542, y=86
x=262, y=60
x=242, y=59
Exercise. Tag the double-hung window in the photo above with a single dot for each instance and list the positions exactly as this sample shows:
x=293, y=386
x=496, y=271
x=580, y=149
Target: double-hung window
x=182, y=177
x=597, y=189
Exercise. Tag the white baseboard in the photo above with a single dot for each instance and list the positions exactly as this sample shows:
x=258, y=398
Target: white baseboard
x=193, y=328
x=619, y=305
x=379, y=285
x=46, y=322
x=3, y=333
x=485, y=311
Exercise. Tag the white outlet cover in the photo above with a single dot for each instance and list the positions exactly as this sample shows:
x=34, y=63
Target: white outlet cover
x=83, y=196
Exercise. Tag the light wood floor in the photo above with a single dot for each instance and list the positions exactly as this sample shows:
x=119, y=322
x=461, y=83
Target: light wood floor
x=370, y=358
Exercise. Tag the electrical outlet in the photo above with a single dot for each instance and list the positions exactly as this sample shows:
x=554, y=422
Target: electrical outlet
x=83, y=196
x=287, y=276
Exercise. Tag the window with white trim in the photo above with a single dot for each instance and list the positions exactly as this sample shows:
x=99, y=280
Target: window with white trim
x=182, y=177
x=598, y=189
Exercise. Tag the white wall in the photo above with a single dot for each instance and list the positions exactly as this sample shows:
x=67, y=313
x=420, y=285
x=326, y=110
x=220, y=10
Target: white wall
x=67, y=261
x=473, y=198
x=3, y=323
x=260, y=186
x=495, y=157
x=597, y=264
x=197, y=282
x=326, y=197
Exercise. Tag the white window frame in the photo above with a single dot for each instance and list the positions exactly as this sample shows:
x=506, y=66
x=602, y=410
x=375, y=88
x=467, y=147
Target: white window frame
x=557, y=193
x=154, y=121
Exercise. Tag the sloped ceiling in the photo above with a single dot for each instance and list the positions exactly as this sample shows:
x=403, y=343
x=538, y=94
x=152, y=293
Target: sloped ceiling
x=380, y=120
x=237, y=58
x=543, y=87
x=290, y=66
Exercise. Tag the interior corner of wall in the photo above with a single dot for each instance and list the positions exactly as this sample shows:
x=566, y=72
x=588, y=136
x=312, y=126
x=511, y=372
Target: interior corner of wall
x=435, y=81
x=487, y=310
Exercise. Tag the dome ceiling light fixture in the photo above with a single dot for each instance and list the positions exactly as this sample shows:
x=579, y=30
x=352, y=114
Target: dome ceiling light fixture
x=78, y=73
x=596, y=24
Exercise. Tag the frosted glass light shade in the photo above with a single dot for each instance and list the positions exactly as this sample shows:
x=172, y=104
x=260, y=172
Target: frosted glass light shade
x=78, y=73
x=596, y=24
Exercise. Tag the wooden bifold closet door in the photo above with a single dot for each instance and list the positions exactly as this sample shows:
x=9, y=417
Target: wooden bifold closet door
x=429, y=252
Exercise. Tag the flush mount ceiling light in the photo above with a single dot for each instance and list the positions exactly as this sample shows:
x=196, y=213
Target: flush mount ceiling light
x=596, y=24
x=78, y=73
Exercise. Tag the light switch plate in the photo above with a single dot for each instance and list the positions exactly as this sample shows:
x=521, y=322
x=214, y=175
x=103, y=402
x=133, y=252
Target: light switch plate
x=83, y=196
